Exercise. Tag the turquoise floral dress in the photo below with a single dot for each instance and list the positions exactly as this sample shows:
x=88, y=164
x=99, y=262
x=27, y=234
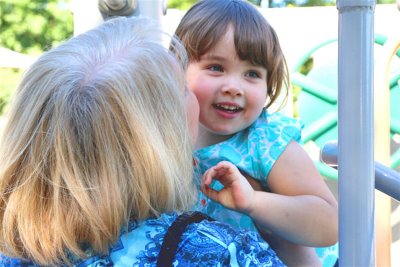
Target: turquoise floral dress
x=208, y=243
x=254, y=151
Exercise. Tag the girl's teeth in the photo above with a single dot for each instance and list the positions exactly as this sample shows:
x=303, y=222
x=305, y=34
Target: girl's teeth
x=228, y=107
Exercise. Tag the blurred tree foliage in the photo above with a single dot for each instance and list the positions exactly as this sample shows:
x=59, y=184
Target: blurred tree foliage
x=32, y=27
x=181, y=4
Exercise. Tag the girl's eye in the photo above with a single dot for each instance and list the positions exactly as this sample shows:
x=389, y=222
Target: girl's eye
x=215, y=68
x=253, y=74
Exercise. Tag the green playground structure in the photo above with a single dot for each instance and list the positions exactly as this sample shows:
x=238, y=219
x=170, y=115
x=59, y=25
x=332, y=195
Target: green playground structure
x=318, y=98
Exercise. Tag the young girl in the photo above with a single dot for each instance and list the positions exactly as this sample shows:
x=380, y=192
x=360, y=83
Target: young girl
x=237, y=70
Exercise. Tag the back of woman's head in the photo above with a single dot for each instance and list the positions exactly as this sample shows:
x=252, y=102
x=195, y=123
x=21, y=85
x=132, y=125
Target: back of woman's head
x=207, y=22
x=96, y=136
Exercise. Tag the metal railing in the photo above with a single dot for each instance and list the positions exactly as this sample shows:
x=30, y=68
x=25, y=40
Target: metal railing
x=387, y=180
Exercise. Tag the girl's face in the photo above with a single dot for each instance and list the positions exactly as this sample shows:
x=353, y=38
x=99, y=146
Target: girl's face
x=231, y=92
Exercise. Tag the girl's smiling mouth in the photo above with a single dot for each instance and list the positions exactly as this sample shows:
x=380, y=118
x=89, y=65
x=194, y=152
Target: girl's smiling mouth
x=228, y=107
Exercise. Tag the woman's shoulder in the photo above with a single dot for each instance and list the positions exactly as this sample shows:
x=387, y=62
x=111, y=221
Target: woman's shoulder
x=206, y=243
x=212, y=243
x=12, y=262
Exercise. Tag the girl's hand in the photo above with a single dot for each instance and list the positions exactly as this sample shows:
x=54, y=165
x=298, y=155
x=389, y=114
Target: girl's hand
x=237, y=193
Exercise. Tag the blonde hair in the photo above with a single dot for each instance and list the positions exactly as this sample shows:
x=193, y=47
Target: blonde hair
x=207, y=21
x=96, y=137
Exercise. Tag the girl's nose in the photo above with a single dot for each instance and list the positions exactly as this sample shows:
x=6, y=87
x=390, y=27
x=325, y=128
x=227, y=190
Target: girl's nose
x=233, y=88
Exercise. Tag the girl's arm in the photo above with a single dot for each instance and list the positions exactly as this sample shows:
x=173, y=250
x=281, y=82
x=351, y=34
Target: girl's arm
x=300, y=207
x=291, y=254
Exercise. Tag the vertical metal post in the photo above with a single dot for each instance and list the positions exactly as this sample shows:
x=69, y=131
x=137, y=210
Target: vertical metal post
x=356, y=142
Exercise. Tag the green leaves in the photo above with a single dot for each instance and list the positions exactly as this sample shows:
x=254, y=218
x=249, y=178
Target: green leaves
x=181, y=4
x=32, y=27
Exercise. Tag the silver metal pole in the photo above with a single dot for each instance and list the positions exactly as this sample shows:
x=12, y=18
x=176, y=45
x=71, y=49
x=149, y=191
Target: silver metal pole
x=355, y=126
x=387, y=180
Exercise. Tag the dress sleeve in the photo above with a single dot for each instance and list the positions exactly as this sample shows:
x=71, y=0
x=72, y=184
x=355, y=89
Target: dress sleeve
x=218, y=244
x=272, y=133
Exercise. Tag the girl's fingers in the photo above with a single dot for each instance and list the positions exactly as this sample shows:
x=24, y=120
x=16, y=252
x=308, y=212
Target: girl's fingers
x=209, y=192
x=224, y=171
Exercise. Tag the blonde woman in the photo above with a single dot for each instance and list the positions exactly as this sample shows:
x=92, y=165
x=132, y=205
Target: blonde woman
x=95, y=161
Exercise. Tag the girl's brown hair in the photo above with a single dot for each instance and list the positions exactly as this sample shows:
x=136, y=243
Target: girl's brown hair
x=255, y=40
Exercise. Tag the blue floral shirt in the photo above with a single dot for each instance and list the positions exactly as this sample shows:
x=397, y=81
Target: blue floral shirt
x=208, y=243
x=254, y=151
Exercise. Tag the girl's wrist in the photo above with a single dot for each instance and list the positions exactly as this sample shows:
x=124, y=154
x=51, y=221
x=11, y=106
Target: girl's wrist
x=252, y=208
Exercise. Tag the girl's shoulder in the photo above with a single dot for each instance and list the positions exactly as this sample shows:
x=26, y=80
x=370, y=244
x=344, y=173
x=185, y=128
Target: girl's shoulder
x=255, y=149
x=277, y=120
x=277, y=126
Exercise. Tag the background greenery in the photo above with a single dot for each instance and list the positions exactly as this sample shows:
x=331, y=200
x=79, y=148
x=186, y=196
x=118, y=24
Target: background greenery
x=30, y=27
